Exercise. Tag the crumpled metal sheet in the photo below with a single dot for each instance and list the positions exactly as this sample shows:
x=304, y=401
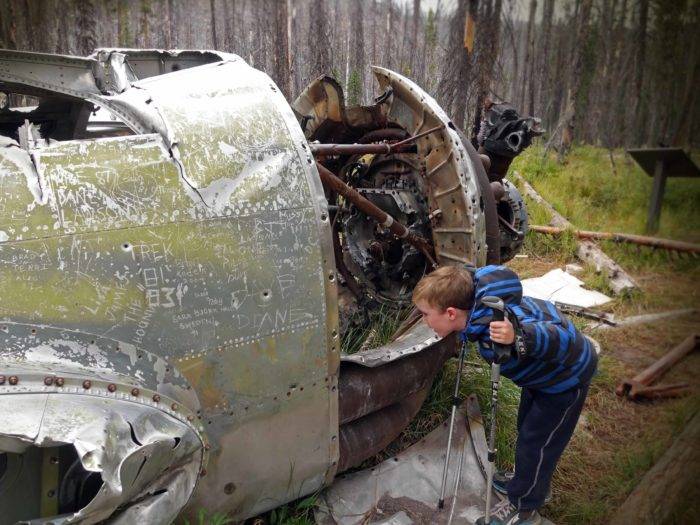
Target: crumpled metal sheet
x=148, y=460
x=418, y=337
x=404, y=490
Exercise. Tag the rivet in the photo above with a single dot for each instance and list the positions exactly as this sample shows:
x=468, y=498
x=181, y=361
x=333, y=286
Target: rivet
x=203, y=472
x=60, y=381
x=156, y=398
x=174, y=406
x=112, y=387
x=207, y=447
x=190, y=418
x=87, y=384
x=13, y=380
x=48, y=380
x=134, y=392
x=2, y=380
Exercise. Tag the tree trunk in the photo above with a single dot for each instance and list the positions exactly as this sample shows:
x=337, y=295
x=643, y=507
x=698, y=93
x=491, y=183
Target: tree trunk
x=569, y=116
x=671, y=488
x=413, y=53
x=357, y=56
x=280, y=51
x=545, y=94
x=489, y=50
x=319, y=40
x=454, y=83
x=527, y=86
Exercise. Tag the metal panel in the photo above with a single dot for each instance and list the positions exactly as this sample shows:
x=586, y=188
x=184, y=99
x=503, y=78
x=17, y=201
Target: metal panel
x=207, y=244
x=454, y=188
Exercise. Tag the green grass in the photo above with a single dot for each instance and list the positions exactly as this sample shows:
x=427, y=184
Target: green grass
x=476, y=379
x=203, y=518
x=373, y=330
x=587, y=191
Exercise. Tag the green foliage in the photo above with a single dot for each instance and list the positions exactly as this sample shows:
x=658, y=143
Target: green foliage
x=214, y=519
x=374, y=330
x=593, y=195
x=354, y=88
x=298, y=512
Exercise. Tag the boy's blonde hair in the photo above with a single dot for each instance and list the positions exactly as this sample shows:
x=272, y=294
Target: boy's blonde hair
x=447, y=286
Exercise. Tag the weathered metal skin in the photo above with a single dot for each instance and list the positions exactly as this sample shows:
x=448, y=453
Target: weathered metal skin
x=168, y=293
x=201, y=240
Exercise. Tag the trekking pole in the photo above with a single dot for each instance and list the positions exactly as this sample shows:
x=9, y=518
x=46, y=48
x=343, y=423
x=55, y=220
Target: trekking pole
x=500, y=354
x=458, y=478
x=455, y=404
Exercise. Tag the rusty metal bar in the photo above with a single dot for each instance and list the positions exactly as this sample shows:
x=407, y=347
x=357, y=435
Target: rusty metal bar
x=654, y=242
x=403, y=146
x=389, y=383
x=332, y=182
x=653, y=373
x=659, y=391
x=358, y=149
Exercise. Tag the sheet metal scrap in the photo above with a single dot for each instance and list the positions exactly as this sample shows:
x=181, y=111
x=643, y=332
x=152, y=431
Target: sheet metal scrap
x=406, y=488
x=642, y=385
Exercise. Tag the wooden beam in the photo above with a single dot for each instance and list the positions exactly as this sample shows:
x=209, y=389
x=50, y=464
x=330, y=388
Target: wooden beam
x=654, y=242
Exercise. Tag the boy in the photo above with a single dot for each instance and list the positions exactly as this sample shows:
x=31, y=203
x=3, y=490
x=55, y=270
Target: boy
x=554, y=369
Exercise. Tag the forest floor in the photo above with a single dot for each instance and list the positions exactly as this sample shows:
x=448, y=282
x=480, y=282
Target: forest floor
x=616, y=440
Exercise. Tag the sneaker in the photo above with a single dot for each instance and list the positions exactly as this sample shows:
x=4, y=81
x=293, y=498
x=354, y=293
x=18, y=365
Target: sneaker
x=501, y=480
x=506, y=512
x=503, y=477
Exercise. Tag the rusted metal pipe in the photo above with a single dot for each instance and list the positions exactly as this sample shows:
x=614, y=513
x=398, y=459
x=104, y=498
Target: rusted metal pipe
x=632, y=387
x=333, y=183
x=403, y=146
x=358, y=149
x=367, y=436
x=389, y=383
x=654, y=242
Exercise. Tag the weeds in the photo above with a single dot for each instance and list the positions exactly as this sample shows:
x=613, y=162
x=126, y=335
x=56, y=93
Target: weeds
x=373, y=330
x=203, y=519
x=591, y=196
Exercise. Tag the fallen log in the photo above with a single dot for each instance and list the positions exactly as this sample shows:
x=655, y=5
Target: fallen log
x=588, y=251
x=671, y=488
x=654, y=242
x=647, y=318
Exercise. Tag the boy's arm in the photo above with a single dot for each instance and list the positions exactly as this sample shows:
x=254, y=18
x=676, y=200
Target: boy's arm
x=548, y=341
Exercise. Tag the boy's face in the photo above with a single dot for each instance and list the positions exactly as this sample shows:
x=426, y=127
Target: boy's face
x=444, y=322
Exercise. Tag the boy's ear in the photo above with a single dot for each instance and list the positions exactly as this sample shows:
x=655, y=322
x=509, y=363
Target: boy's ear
x=451, y=313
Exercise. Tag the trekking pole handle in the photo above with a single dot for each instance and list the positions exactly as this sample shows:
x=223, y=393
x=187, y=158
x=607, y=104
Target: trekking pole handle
x=501, y=353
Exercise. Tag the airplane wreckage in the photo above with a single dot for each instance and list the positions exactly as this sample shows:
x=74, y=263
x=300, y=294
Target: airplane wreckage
x=175, y=279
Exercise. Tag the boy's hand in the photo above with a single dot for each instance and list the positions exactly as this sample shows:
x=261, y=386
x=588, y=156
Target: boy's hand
x=502, y=332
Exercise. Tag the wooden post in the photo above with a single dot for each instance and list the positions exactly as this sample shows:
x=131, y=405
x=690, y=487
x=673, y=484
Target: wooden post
x=657, y=195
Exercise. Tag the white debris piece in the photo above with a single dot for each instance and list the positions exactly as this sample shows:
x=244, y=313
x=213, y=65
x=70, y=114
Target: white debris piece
x=562, y=287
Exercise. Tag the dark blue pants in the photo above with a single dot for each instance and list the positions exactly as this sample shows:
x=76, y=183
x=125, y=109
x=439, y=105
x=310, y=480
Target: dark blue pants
x=545, y=425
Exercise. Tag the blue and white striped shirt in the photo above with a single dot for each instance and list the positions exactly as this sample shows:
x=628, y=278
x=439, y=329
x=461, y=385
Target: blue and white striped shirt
x=559, y=357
